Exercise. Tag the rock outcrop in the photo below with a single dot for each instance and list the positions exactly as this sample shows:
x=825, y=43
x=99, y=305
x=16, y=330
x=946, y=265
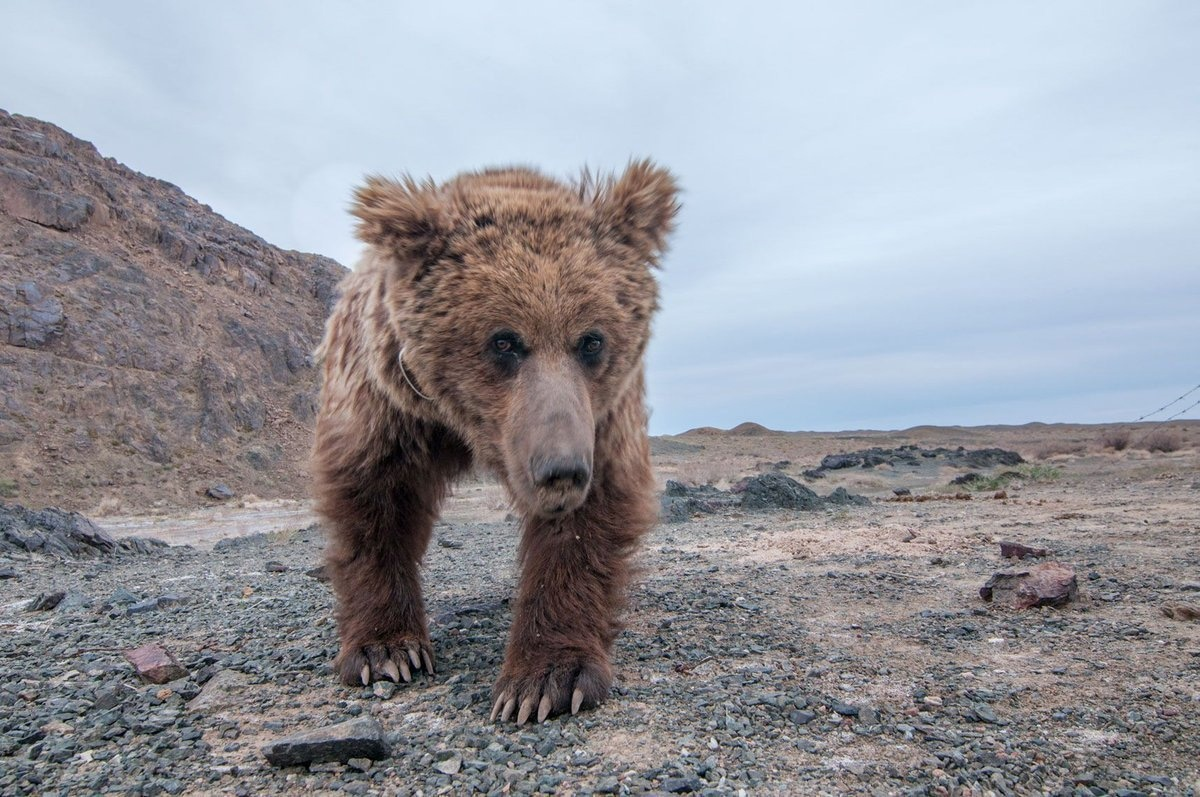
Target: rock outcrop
x=147, y=345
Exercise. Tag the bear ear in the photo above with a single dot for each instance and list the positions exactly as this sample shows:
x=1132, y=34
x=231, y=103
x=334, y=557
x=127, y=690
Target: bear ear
x=401, y=217
x=638, y=208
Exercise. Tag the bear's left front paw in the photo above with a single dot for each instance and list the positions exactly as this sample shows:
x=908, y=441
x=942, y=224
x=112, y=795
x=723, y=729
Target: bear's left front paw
x=552, y=687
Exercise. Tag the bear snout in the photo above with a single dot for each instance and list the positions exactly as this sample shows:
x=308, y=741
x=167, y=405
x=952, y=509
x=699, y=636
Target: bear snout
x=561, y=473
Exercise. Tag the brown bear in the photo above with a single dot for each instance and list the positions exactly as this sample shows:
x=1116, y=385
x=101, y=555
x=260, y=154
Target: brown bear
x=500, y=318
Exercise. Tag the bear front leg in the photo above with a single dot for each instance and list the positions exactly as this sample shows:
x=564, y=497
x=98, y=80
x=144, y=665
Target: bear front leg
x=572, y=590
x=380, y=512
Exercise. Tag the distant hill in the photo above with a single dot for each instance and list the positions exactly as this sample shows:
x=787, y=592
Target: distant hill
x=148, y=347
x=745, y=429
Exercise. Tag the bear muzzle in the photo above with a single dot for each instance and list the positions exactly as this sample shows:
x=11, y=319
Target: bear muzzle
x=552, y=439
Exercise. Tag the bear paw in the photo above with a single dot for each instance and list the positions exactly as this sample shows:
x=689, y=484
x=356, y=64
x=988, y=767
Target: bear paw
x=394, y=660
x=551, y=688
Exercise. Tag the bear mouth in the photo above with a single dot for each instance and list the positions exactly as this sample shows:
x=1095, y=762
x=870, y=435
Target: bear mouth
x=558, y=503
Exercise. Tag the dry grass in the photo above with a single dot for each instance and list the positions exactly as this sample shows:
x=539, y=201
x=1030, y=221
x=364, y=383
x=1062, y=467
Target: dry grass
x=697, y=474
x=1163, y=440
x=1059, y=448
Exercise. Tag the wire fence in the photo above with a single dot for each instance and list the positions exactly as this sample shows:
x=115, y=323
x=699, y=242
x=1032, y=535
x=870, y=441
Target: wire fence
x=1157, y=427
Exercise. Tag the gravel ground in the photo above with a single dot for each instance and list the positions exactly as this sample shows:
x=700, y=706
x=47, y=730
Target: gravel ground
x=839, y=651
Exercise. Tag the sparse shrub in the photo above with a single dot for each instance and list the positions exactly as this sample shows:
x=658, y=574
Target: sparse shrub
x=1025, y=473
x=1116, y=439
x=1164, y=440
x=8, y=488
x=1056, y=449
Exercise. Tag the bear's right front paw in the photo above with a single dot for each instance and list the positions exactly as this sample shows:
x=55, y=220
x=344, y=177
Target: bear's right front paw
x=393, y=660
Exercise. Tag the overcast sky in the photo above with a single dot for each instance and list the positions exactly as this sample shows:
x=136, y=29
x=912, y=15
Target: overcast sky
x=894, y=213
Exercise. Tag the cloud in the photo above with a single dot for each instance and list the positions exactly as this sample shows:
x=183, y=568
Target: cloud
x=892, y=213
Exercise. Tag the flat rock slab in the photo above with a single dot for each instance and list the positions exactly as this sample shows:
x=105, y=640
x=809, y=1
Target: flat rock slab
x=1048, y=584
x=1181, y=611
x=155, y=664
x=223, y=691
x=358, y=738
x=1016, y=550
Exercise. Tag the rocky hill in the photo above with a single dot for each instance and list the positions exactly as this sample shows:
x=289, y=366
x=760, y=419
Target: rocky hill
x=148, y=346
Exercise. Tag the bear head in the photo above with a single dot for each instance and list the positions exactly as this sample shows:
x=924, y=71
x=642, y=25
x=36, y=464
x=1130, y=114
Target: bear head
x=521, y=309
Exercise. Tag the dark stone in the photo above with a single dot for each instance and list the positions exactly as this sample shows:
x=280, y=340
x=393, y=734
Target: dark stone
x=320, y=573
x=275, y=567
x=357, y=738
x=682, y=785
x=967, y=478
x=679, y=502
x=991, y=457
x=51, y=531
x=839, y=461
x=220, y=492
x=843, y=497
x=47, y=601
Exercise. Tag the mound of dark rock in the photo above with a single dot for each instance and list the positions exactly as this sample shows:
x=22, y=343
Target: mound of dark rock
x=914, y=456
x=776, y=491
x=680, y=502
x=766, y=491
x=56, y=532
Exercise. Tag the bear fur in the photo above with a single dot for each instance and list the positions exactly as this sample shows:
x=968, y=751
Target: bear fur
x=498, y=319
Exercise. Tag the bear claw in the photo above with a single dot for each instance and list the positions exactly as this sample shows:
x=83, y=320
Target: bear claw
x=505, y=705
x=389, y=661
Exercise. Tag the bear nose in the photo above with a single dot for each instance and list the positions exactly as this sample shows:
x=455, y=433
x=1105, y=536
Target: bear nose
x=562, y=473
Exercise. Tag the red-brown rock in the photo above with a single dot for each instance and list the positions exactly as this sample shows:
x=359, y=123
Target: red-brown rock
x=1016, y=550
x=155, y=664
x=1048, y=584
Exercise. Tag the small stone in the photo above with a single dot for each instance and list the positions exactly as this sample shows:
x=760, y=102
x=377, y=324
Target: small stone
x=155, y=664
x=1016, y=550
x=46, y=602
x=845, y=709
x=1181, y=611
x=220, y=492
x=383, y=689
x=122, y=597
x=275, y=567
x=448, y=763
x=801, y=717
x=222, y=691
x=320, y=573
x=361, y=764
x=358, y=738
x=112, y=696
x=608, y=785
x=932, y=700
x=681, y=785
x=141, y=607
x=985, y=713
x=7, y=572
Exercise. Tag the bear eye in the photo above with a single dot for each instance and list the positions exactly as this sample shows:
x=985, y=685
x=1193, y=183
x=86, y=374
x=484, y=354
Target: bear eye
x=506, y=349
x=590, y=347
